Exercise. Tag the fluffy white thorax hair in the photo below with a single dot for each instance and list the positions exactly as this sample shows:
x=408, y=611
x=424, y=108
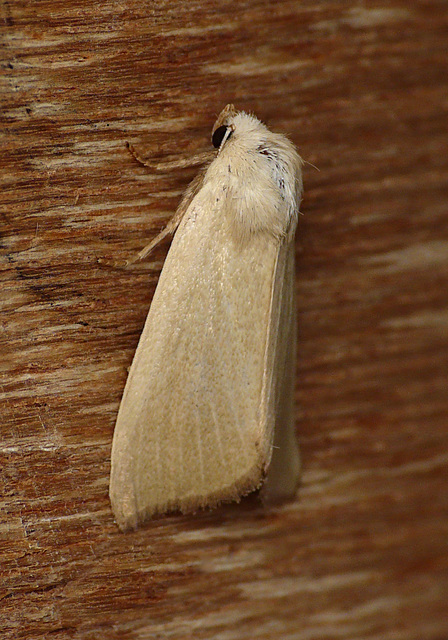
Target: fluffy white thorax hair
x=256, y=176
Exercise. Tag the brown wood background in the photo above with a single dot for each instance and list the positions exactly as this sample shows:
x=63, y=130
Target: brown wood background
x=362, y=89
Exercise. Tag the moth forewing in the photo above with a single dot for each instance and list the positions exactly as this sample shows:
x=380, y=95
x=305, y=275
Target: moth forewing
x=211, y=377
x=192, y=406
x=284, y=467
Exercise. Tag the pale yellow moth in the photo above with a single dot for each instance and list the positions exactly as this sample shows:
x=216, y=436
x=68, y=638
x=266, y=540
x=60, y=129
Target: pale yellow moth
x=207, y=414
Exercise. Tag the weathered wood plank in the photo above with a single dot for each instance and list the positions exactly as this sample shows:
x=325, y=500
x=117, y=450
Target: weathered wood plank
x=361, y=88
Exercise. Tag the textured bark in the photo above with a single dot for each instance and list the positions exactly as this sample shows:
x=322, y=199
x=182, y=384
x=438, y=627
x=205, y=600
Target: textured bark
x=361, y=88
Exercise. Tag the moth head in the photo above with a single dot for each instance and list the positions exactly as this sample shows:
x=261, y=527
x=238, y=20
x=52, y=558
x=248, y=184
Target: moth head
x=224, y=126
x=237, y=126
x=259, y=171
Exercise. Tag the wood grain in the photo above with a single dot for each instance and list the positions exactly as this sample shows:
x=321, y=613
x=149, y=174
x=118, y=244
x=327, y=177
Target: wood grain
x=362, y=89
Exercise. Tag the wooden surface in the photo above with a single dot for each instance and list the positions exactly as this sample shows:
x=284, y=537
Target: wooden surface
x=361, y=88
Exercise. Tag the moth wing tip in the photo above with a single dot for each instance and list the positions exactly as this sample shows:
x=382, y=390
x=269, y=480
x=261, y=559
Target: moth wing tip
x=281, y=487
x=125, y=514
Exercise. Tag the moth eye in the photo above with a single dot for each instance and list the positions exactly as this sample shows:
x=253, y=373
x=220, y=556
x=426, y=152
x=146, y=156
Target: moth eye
x=218, y=136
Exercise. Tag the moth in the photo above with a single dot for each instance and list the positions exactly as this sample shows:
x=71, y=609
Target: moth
x=207, y=414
